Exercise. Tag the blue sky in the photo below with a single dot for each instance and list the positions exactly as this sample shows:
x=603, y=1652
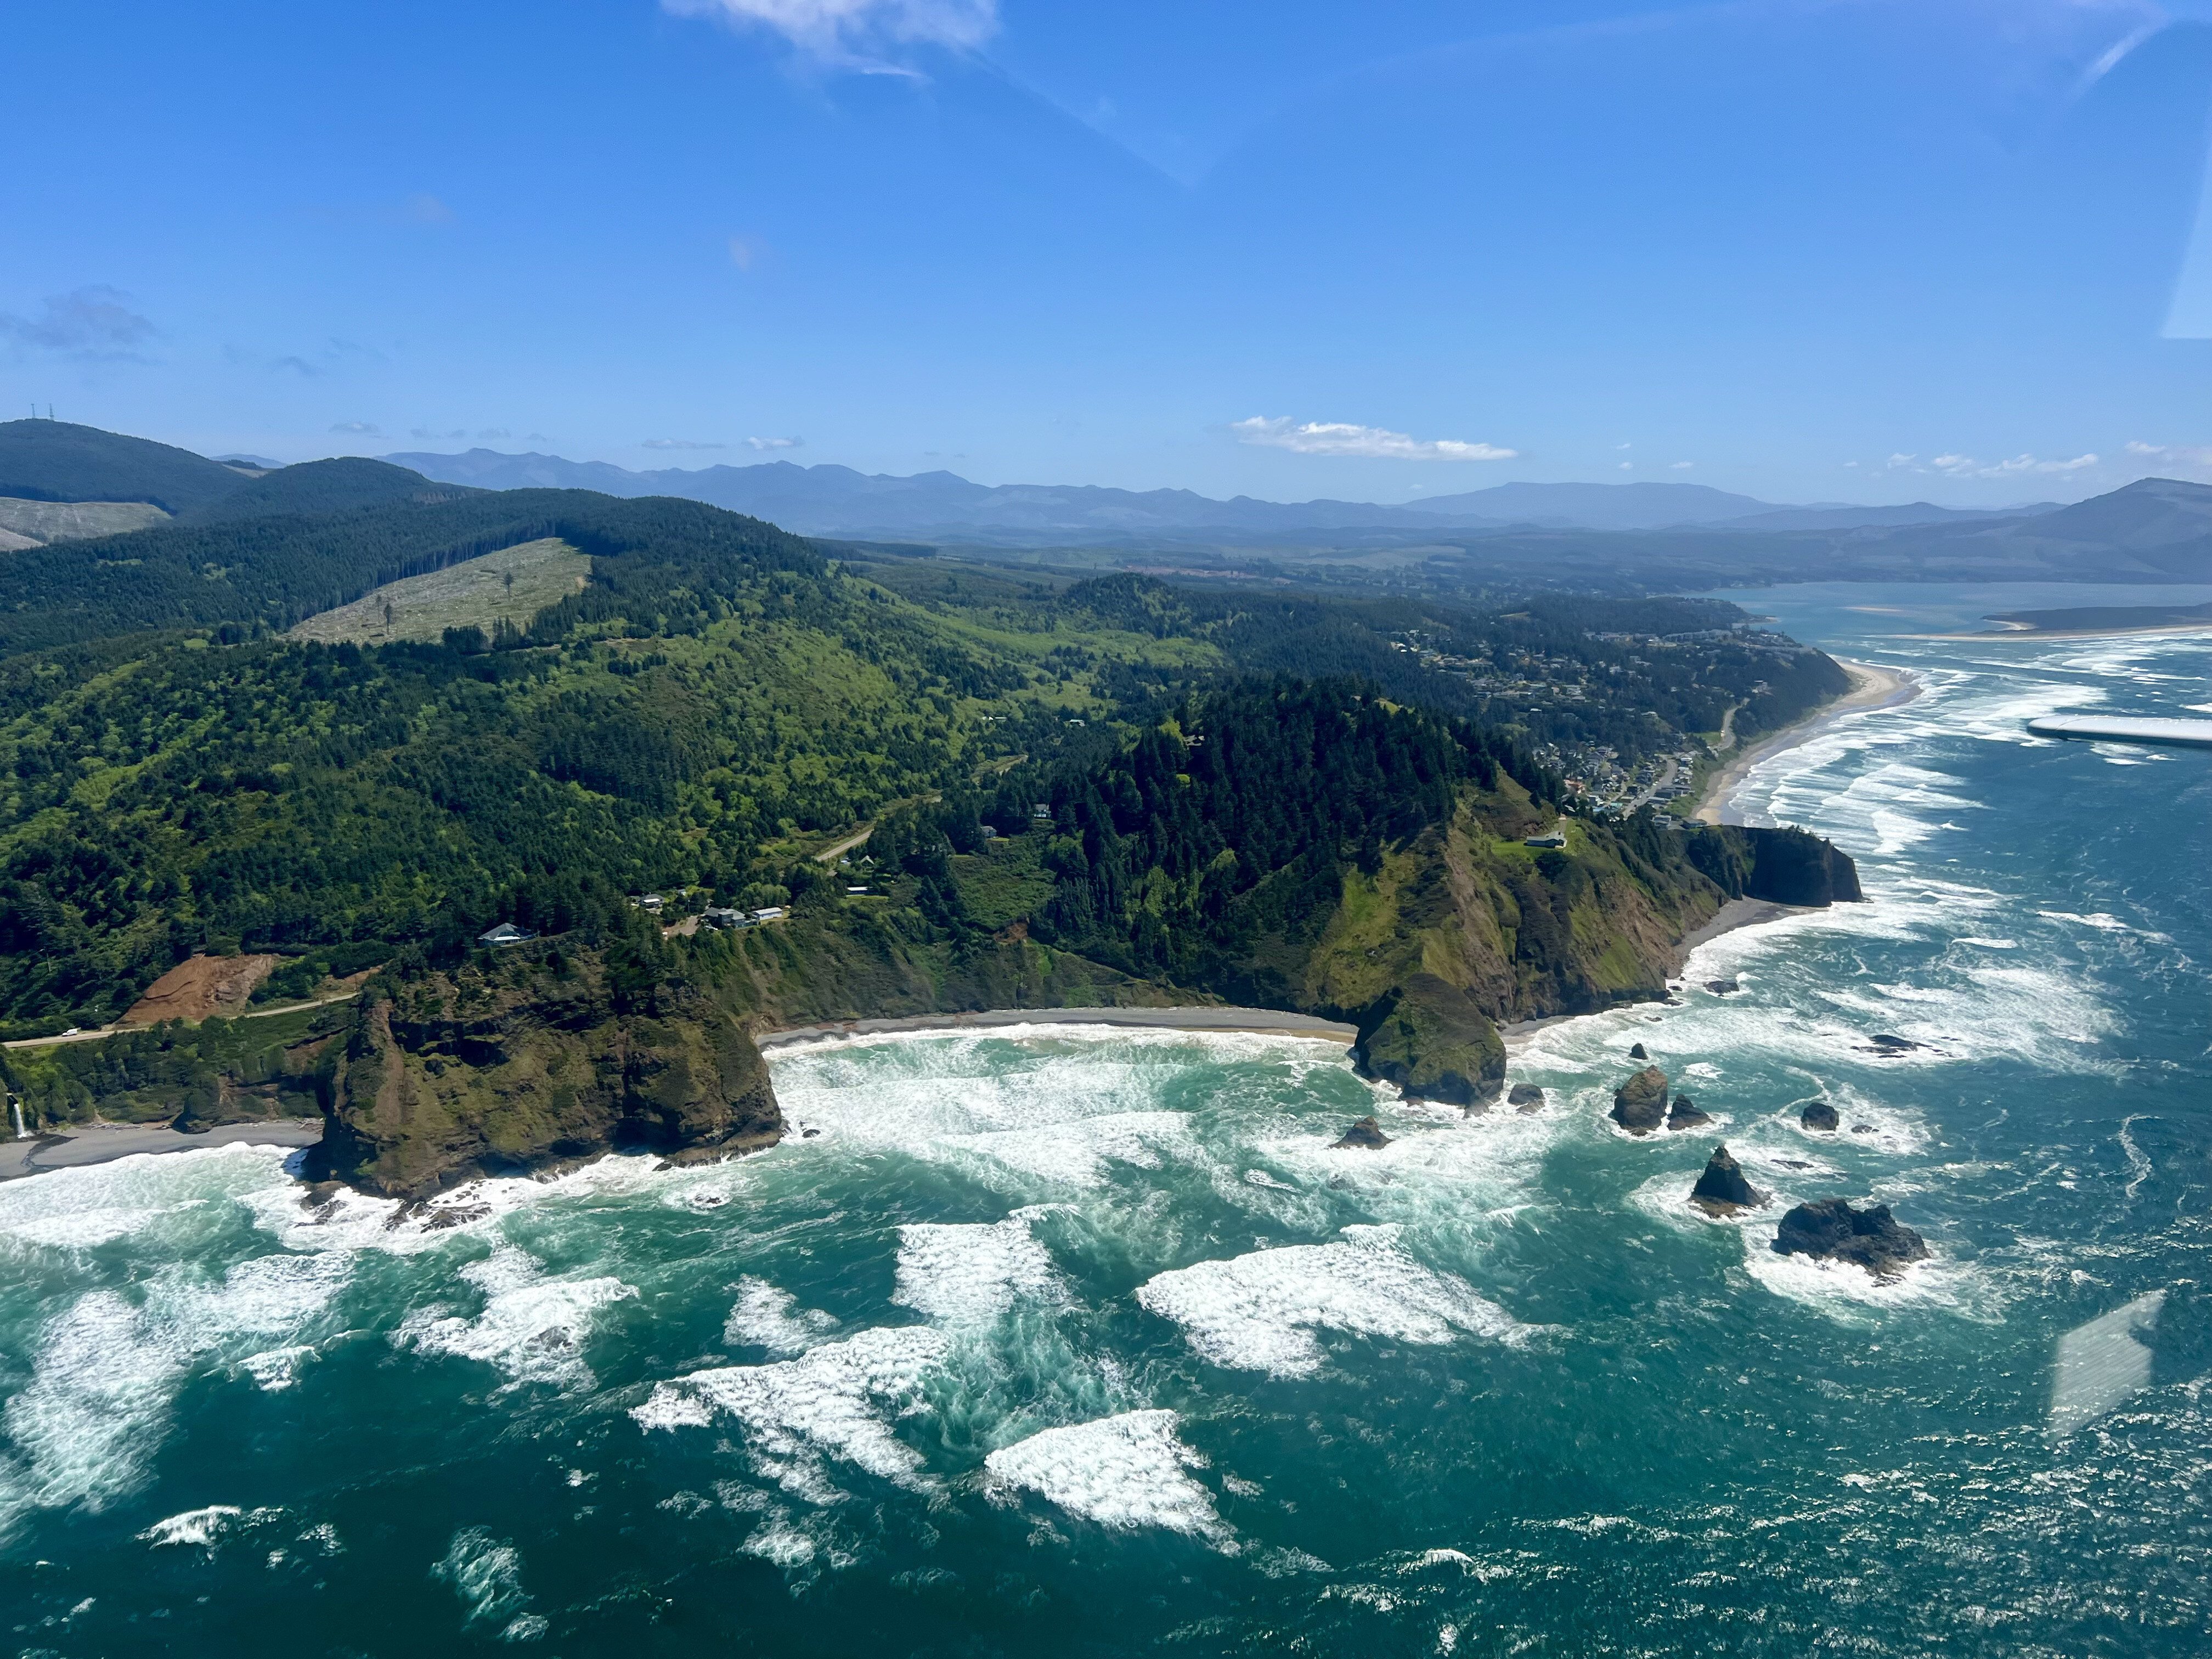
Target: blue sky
x=1866, y=250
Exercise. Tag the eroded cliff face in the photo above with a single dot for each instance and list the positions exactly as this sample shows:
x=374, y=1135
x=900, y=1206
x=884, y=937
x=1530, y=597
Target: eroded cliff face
x=538, y=1061
x=1465, y=929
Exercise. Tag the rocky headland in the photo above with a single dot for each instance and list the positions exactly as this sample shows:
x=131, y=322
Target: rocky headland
x=523, y=1064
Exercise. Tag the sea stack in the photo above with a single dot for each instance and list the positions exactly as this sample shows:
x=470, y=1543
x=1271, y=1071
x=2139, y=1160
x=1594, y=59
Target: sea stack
x=1722, y=1189
x=1639, y=1105
x=1821, y=1116
x=1831, y=1230
x=1685, y=1114
x=1636, y=1052
x=1526, y=1097
x=1366, y=1132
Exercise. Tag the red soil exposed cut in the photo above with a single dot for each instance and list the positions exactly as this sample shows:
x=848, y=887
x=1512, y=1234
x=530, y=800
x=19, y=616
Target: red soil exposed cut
x=199, y=988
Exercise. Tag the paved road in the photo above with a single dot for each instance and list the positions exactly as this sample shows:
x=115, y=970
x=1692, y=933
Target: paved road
x=100, y=1031
x=1657, y=784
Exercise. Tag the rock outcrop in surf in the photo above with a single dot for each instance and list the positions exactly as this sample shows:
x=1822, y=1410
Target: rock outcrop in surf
x=1722, y=1189
x=1364, y=1134
x=1639, y=1105
x=1683, y=1113
x=1831, y=1230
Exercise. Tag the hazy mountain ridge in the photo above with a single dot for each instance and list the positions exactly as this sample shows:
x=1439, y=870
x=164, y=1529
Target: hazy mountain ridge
x=830, y=499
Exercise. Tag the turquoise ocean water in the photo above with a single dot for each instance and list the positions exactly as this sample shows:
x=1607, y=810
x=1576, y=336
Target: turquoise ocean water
x=1054, y=1343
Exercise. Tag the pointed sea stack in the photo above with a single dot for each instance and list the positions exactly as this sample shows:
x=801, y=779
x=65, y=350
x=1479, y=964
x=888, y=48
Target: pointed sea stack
x=1722, y=1189
x=1639, y=1105
x=1830, y=1231
x=1636, y=1052
x=1366, y=1132
x=1685, y=1114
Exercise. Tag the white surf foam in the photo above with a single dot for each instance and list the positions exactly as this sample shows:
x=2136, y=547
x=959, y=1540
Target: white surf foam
x=90, y=1420
x=832, y=1401
x=532, y=1327
x=1122, y=1471
x=1259, y=1312
x=486, y=1573
x=769, y=1318
x=1849, y=1295
x=968, y=1275
x=1077, y=1154
x=200, y=1528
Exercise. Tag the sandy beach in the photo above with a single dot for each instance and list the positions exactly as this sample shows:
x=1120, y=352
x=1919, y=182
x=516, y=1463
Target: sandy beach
x=1871, y=688
x=1268, y=1021
x=103, y=1143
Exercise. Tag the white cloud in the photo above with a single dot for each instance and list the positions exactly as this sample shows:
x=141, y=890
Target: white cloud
x=774, y=443
x=1628, y=466
x=1965, y=467
x=1681, y=466
x=1374, y=443
x=678, y=443
x=93, y=325
x=358, y=429
x=2198, y=455
x=856, y=35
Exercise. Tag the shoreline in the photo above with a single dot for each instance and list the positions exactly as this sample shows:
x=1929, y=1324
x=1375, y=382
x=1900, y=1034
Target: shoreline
x=1872, y=688
x=1265, y=1022
x=89, y=1144
x=2026, y=631
x=1734, y=915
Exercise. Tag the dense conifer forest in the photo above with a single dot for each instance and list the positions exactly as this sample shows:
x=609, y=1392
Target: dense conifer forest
x=722, y=703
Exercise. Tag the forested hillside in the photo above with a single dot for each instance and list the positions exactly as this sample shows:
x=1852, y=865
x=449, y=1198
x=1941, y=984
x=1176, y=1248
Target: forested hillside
x=1259, y=798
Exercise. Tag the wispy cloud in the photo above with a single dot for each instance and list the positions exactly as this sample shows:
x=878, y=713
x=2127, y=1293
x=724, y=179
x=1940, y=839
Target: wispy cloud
x=427, y=210
x=774, y=443
x=1374, y=443
x=359, y=428
x=678, y=443
x=2191, y=455
x=866, y=36
x=93, y=324
x=493, y=432
x=1680, y=467
x=1965, y=467
x=426, y=432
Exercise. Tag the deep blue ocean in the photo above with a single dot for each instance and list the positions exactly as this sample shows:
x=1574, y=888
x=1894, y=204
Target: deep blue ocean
x=1085, y=1343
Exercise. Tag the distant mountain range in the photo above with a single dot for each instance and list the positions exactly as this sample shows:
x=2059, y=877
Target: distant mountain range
x=837, y=500
x=60, y=482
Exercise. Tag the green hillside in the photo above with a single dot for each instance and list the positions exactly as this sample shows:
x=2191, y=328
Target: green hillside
x=333, y=486
x=57, y=461
x=215, y=738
